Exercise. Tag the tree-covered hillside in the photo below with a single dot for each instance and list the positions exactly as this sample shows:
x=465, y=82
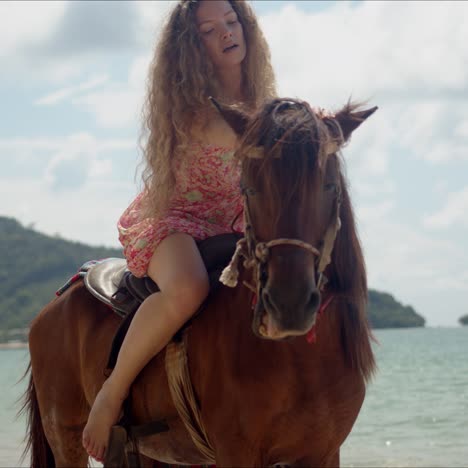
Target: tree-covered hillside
x=386, y=312
x=33, y=266
x=463, y=320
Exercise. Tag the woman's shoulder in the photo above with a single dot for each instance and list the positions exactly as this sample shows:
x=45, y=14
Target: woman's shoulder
x=215, y=134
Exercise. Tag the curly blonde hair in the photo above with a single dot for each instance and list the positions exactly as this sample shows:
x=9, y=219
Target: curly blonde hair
x=180, y=81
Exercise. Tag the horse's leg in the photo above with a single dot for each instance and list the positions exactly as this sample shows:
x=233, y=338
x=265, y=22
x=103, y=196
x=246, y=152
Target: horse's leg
x=68, y=450
x=49, y=445
x=243, y=460
x=67, y=349
x=335, y=460
x=57, y=386
x=239, y=459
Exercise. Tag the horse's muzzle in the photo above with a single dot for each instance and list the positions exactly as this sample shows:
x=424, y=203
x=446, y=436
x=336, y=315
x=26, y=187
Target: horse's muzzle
x=284, y=316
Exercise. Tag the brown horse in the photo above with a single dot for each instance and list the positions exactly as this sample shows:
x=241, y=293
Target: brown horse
x=267, y=395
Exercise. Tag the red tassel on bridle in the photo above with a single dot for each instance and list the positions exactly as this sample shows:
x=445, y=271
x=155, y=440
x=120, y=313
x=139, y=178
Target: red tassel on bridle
x=311, y=336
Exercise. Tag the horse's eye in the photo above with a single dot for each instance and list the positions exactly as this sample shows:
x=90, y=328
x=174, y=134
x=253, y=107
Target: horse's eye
x=330, y=187
x=251, y=191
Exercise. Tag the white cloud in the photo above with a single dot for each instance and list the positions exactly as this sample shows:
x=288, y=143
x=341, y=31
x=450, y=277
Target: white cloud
x=461, y=129
x=454, y=213
x=77, y=193
x=115, y=107
x=418, y=268
x=407, y=57
x=89, y=215
x=372, y=189
x=152, y=16
x=138, y=71
x=66, y=164
x=430, y=130
x=395, y=252
x=369, y=150
x=369, y=48
x=100, y=168
x=85, y=141
x=441, y=186
x=449, y=150
x=454, y=283
x=56, y=41
x=25, y=26
x=69, y=91
x=119, y=104
x=27, y=22
x=375, y=212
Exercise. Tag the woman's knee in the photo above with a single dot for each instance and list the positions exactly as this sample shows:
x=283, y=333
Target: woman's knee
x=178, y=269
x=187, y=294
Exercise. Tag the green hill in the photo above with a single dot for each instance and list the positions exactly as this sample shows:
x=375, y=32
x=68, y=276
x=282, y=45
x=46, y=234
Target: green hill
x=33, y=266
x=463, y=320
x=386, y=312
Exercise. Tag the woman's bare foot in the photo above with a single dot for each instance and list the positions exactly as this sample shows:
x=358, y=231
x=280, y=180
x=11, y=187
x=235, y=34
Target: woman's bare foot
x=104, y=414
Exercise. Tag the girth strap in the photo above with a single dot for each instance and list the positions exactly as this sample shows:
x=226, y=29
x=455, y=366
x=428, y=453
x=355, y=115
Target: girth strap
x=183, y=396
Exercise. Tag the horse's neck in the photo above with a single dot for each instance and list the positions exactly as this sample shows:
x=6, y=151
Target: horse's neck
x=222, y=338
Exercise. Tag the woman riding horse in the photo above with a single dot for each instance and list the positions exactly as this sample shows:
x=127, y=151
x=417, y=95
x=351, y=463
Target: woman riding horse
x=267, y=395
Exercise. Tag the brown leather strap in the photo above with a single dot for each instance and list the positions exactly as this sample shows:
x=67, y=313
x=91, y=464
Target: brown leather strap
x=183, y=396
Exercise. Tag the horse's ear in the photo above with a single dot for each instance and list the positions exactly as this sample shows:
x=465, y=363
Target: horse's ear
x=349, y=120
x=235, y=118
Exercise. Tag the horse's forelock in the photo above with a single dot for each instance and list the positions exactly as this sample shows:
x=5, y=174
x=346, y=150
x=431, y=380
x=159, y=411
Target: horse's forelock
x=285, y=144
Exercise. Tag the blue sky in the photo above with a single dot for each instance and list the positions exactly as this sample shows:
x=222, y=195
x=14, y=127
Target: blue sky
x=72, y=84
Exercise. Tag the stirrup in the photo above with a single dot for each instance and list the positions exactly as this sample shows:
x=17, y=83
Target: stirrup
x=115, y=453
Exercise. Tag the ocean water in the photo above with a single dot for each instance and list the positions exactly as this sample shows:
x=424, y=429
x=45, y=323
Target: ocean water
x=416, y=410
x=415, y=413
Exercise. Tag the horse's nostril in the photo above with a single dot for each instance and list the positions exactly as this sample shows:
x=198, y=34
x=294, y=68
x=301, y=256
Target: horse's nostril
x=314, y=301
x=270, y=304
x=266, y=299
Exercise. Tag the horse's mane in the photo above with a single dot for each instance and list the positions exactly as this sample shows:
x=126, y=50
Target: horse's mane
x=292, y=130
x=348, y=281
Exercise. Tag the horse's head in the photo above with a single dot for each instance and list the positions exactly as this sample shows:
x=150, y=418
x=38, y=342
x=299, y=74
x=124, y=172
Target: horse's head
x=291, y=181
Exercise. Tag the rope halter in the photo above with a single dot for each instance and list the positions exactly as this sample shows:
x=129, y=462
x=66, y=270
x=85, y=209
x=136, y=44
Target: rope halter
x=256, y=254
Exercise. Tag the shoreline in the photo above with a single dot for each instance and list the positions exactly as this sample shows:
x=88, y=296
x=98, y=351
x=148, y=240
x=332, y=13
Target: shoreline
x=14, y=345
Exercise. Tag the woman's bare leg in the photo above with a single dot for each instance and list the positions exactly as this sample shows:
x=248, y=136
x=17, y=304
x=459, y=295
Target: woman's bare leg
x=177, y=268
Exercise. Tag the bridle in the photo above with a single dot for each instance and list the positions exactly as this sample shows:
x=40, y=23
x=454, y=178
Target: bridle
x=256, y=254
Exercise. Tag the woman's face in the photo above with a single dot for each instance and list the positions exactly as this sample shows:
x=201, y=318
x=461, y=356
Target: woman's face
x=221, y=33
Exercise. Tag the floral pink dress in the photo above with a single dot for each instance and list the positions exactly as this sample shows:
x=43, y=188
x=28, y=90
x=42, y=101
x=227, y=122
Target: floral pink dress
x=205, y=203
